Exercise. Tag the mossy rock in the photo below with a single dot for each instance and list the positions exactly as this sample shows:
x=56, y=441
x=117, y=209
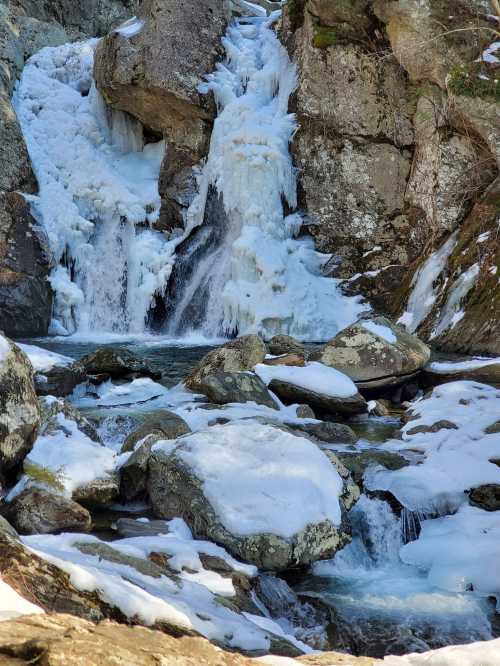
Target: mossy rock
x=324, y=37
x=475, y=79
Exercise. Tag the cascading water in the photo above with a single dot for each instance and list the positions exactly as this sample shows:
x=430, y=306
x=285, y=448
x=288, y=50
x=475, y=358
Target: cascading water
x=98, y=195
x=260, y=277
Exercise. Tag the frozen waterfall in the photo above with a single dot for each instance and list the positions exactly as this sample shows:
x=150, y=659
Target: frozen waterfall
x=261, y=277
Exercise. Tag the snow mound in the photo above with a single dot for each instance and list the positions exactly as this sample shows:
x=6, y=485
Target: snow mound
x=313, y=376
x=44, y=360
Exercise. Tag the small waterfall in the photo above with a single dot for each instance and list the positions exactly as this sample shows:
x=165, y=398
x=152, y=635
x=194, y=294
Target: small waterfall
x=260, y=275
x=98, y=196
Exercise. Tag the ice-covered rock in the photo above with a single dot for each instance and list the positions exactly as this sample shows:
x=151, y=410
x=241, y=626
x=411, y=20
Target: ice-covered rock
x=323, y=388
x=269, y=497
x=375, y=354
x=55, y=374
x=235, y=356
x=19, y=410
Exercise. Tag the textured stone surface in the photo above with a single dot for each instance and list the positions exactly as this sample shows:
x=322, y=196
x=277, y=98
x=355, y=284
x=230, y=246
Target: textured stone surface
x=320, y=402
x=235, y=356
x=162, y=424
x=60, y=381
x=19, y=410
x=117, y=362
x=226, y=387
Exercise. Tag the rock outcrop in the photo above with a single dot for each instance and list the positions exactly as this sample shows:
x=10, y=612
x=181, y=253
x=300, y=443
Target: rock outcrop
x=19, y=410
x=153, y=73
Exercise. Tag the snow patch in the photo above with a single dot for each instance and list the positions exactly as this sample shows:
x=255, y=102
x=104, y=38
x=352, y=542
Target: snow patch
x=313, y=376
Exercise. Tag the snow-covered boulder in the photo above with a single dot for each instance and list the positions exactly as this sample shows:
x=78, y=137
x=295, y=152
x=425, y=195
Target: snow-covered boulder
x=235, y=356
x=55, y=374
x=162, y=423
x=269, y=497
x=226, y=387
x=486, y=370
x=322, y=388
x=19, y=411
x=42, y=511
x=117, y=362
x=375, y=354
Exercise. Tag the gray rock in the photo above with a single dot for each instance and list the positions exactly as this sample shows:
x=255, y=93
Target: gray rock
x=225, y=387
x=129, y=527
x=7, y=529
x=326, y=431
x=357, y=463
x=60, y=381
x=19, y=410
x=373, y=361
x=291, y=393
x=99, y=493
x=50, y=408
x=40, y=511
x=305, y=412
x=105, y=552
x=134, y=473
x=163, y=424
x=285, y=344
x=238, y=355
x=117, y=362
x=488, y=374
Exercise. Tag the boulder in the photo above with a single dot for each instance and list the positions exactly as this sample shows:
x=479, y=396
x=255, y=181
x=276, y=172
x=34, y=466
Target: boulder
x=238, y=355
x=19, y=410
x=285, y=344
x=117, y=362
x=153, y=74
x=286, y=359
x=375, y=354
x=60, y=381
x=163, y=424
x=100, y=492
x=327, y=431
x=129, y=527
x=134, y=473
x=51, y=407
x=357, y=463
x=485, y=371
x=25, y=294
x=325, y=389
x=237, y=485
x=40, y=511
x=486, y=497
x=226, y=387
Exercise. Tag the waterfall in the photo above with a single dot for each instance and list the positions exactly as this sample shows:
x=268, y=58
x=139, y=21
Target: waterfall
x=98, y=196
x=261, y=276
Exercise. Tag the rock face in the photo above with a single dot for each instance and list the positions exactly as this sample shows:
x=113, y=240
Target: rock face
x=162, y=424
x=154, y=75
x=19, y=410
x=117, y=362
x=486, y=497
x=63, y=639
x=39, y=511
x=375, y=354
x=238, y=355
x=225, y=387
x=181, y=484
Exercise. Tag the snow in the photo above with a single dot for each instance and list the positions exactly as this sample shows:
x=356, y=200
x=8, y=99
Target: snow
x=73, y=458
x=185, y=602
x=452, y=313
x=108, y=394
x=261, y=277
x=4, y=348
x=97, y=181
x=424, y=290
x=460, y=552
x=450, y=367
x=260, y=479
x=313, y=376
x=482, y=653
x=381, y=331
x=453, y=460
x=44, y=360
x=131, y=27
x=489, y=53
x=12, y=605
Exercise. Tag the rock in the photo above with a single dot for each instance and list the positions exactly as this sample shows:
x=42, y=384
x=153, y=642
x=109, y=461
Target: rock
x=60, y=381
x=297, y=360
x=6, y=529
x=486, y=497
x=440, y=373
x=238, y=355
x=105, y=552
x=25, y=294
x=375, y=353
x=118, y=362
x=129, y=527
x=134, y=473
x=179, y=485
x=285, y=344
x=305, y=412
x=326, y=431
x=64, y=639
x=357, y=463
x=442, y=424
x=291, y=393
x=100, y=492
x=493, y=428
x=162, y=423
x=51, y=407
x=226, y=387
x=40, y=511
x=154, y=76
x=19, y=410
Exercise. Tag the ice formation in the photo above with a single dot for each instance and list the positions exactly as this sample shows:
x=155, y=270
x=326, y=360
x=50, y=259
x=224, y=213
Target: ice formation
x=98, y=194
x=262, y=277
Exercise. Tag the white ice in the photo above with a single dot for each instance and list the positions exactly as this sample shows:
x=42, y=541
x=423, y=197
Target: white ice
x=452, y=311
x=131, y=27
x=450, y=367
x=260, y=479
x=107, y=394
x=383, y=332
x=313, y=377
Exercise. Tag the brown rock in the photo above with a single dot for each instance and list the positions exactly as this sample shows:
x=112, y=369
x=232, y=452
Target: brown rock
x=297, y=360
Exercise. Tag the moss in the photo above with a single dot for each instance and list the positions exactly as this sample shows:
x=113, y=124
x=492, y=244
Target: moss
x=324, y=37
x=43, y=475
x=295, y=11
x=475, y=79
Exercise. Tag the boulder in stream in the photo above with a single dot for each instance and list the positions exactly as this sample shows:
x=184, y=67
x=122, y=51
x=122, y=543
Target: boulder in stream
x=117, y=362
x=162, y=423
x=226, y=387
